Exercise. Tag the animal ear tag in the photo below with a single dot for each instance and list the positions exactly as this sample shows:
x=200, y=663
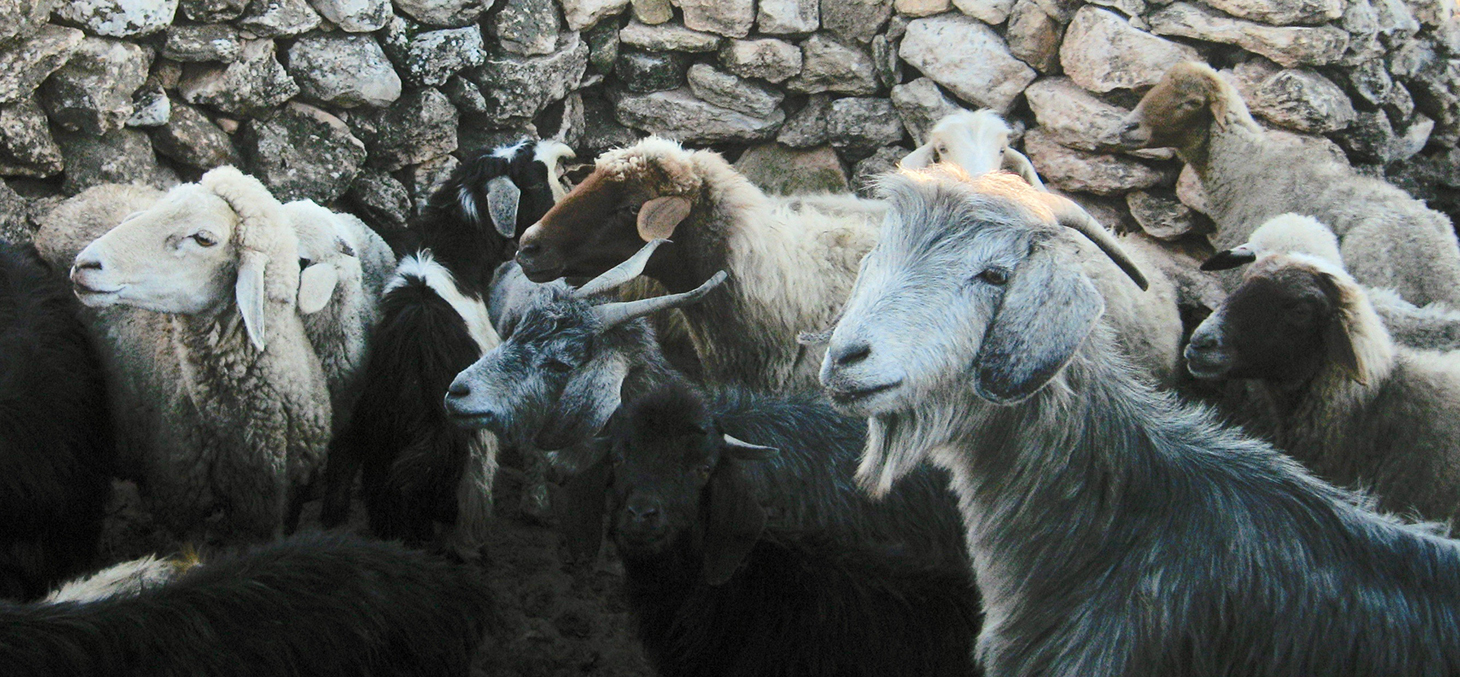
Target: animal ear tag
x=659, y=217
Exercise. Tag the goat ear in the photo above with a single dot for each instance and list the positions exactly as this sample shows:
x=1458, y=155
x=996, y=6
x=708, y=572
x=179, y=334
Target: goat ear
x=745, y=451
x=1046, y=313
x=586, y=404
x=659, y=217
x=249, y=293
x=502, y=199
x=579, y=506
x=316, y=286
x=1336, y=336
x=918, y=159
x=735, y=522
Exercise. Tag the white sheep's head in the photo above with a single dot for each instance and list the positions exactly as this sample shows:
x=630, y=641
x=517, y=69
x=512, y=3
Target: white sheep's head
x=969, y=288
x=195, y=250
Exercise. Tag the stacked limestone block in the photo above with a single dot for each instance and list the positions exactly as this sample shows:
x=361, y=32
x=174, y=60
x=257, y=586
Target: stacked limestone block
x=367, y=104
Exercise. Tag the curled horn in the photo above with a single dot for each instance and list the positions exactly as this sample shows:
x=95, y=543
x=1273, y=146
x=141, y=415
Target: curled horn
x=1070, y=215
x=620, y=274
x=615, y=313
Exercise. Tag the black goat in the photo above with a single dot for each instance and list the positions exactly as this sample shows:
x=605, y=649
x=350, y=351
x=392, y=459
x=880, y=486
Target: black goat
x=316, y=605
x=420, y=471
x=55, y=437
x=718, y=589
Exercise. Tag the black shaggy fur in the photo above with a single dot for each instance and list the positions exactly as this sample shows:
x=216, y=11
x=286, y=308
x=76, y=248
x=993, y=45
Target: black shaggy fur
x=55, y=440
x=413, y=456
x=316, y=605
x=882, y=590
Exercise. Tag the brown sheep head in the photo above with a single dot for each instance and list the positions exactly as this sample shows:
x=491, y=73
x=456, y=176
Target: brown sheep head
x=1180, y=110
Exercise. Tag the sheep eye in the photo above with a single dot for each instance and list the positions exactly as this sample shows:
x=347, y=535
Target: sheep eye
x=704, y=470
x=204, y=238
x=1189, y=104
x=995, y=276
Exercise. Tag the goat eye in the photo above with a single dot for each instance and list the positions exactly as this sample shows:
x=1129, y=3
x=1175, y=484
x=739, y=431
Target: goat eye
x=204, y=238
x=704, y=470
x=556, y=365
x=994, y=275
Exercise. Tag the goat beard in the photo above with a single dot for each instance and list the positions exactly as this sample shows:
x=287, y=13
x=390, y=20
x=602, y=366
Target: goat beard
x=898, y=442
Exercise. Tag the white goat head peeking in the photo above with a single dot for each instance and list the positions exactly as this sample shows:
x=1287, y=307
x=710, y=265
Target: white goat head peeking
x=969, y=286
x=197, y=249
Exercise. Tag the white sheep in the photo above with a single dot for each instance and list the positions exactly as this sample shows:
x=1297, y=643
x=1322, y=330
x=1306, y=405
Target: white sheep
x=976, y=141
x=1341, y=397
x=1388, y=239
x=791, y=260
x=221, y=394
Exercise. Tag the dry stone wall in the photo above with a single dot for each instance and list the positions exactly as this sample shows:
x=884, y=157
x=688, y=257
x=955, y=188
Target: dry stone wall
x=368, y=104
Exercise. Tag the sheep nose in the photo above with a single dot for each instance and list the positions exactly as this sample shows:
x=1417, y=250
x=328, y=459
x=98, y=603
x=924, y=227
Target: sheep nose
x=643, y=512
x=1205, y=340
x=848, y=354
x=87, y=264
x=530, y=249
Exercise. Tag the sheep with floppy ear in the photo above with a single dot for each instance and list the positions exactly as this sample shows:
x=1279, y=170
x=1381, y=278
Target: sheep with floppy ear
x=220, y=392
x=975, y=141
x=1341, y=396
x=1388, y=239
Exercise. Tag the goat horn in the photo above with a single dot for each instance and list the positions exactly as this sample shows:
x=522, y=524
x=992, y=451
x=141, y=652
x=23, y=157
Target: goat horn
x=1070, y=215
x=621, y=274
x=611, y=314
x=1021, y=166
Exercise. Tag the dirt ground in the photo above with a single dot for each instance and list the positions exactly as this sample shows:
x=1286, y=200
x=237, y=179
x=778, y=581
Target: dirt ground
x=556, y=619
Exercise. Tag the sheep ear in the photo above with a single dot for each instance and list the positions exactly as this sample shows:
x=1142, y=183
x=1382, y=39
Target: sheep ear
x=735, y=523
x=745, y=451
x=659, y=217
x=587, y=402
x=1046, y=313
x=249, y=293
x=1336, y=336
x=316, y=286
x=1228, y=259
x=502, y=199
x=579, y=506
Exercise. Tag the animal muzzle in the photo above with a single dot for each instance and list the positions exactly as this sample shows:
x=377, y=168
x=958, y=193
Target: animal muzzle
x=1207, y=354
x=466, y=408
x=540, y=262
x=1131, y=133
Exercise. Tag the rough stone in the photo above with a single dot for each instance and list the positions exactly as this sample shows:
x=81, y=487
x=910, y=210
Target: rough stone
x=381, y=200
x=767, y=59
x=920, y=105
x=653, y=11
x=1077, y=170
x=119, y=156
x=1302, y=100
x=1160, y=214
x=418, y=127
x=521, y=86
x=1102, y=52
x=601, y=128
x=1034, y=37
x=14, y=227
x=1290, y=46
x=26, y=146
x=678, y=115
x=603, y=44
x=968, y=58
x=1190, y=191
x=212, y=42
x=1073, y=117
x=1130, y=8
x=779, y=170
x=279, y=18
x=807, y=127
x=992, y=12
x=581, y=14
x=731, y=18
x=118, y=18
x=253, y=85
x=93, y=91
x=465, y=95
x=921, y=8
x=190, y=138
x=355, y=16
x=448, y=13
x=1371, y=137
x=855, y=20
x=786, y=17
x=303, y=152
x=728, y=91
x=860, y=125
x=22, y=17
x=1281, y=12
x=1371, y=82
x=430, y=58
x=643, y=72
x=884, y=59
x=344, y=70
x=426, y=177
x=1060, y=10
x=864, y=175
x=830, y=66
x=213, y=11
x=668, y=37
x=527, y=27
x=150, y=107
x=25, y=64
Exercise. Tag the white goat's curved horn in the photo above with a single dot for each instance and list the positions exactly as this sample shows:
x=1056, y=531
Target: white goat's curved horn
x=1070, y=215
x=611, y=314
x=1015, y=160
x=619, y=275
